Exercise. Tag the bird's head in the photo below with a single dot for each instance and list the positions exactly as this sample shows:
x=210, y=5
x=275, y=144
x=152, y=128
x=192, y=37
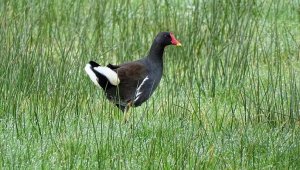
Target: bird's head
x=167, y=38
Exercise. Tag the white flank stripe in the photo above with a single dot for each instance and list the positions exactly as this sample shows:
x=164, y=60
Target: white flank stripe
x=109, y=74
x=138, y=92
x=91, y=74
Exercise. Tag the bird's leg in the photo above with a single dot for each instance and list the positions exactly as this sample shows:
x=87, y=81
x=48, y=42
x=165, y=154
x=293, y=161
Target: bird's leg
x=127, y=112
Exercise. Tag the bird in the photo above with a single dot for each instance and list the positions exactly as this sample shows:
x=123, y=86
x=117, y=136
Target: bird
x=132, y=83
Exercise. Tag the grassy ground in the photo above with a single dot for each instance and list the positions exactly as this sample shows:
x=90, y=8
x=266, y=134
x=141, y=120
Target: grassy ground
x=229, y=98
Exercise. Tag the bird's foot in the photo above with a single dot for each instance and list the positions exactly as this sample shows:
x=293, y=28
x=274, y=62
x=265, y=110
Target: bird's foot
x=127, y=112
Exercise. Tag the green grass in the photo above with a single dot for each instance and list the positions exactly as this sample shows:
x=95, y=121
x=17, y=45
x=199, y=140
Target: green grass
x=229, y=98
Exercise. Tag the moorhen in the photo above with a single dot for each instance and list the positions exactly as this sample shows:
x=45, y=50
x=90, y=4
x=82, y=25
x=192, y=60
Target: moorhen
x=132, y=83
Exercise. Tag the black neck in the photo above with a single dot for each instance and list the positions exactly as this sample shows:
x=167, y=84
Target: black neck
x=156, y=51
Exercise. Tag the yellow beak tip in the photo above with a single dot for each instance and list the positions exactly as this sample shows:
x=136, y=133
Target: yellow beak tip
x=178, y=45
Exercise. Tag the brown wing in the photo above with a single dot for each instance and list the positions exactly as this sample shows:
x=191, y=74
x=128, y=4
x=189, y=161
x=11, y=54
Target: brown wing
x=130, y=75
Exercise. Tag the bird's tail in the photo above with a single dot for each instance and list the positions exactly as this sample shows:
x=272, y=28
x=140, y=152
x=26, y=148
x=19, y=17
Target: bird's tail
x=101, y=76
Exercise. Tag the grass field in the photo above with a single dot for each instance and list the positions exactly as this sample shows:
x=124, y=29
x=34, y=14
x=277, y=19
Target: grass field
x=229, y=98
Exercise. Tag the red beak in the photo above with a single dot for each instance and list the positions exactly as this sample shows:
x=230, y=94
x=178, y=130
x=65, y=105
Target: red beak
x=174, y=41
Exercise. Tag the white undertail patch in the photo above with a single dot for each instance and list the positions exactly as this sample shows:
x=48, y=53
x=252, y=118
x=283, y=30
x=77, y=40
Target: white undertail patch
x=92, y=75
x=111, y=75
x=138, y=90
